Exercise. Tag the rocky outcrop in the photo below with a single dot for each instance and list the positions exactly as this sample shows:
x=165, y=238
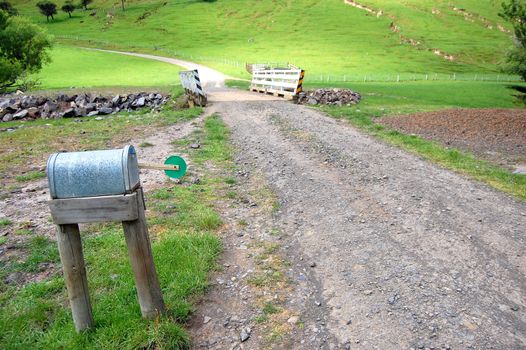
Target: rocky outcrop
x=17, y=107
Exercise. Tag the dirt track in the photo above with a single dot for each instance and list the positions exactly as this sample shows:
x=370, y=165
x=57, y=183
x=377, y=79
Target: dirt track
x=407, y=254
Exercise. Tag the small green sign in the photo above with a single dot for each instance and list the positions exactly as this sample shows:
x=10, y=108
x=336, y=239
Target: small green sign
x=175, y=160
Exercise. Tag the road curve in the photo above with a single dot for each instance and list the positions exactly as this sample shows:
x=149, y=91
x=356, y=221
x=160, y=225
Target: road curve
x=210, y=78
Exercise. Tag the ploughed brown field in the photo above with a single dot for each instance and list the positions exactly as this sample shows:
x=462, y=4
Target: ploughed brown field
x=498, y=135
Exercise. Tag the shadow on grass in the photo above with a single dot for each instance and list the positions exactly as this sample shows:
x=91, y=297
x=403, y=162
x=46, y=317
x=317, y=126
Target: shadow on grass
x=520, y=96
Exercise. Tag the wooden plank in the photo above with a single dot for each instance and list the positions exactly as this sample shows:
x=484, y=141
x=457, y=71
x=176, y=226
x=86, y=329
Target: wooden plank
x=70, y=249
x=141, y=259
x=158, y=166
x=277, y=84
x=94, y=209
x=277, y=72
x=289, y=77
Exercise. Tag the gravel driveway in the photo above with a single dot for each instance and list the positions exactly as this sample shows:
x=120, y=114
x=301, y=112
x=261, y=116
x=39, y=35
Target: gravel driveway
x=408, y=254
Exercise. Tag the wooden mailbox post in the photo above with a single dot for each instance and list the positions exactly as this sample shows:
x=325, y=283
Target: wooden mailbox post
x=85, y=187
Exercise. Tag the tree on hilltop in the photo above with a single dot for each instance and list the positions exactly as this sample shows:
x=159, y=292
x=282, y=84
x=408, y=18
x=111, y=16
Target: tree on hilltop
x=47, y=8
x=514, y=11
x=7, y=7
x=68, y=7
x=85, y=3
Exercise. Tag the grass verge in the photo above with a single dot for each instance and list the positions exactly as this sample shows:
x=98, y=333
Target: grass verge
x=182, y=225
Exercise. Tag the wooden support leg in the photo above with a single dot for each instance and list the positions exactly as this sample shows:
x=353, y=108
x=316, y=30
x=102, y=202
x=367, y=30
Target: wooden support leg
x=141, y=259
x=70, y=248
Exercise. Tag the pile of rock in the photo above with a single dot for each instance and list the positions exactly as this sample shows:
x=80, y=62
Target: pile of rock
x=336, y=97
x=16, y=107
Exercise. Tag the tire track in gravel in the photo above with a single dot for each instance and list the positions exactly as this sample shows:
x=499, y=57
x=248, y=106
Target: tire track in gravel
x=408, y=254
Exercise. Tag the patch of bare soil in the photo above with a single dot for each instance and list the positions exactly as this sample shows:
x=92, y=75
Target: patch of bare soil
x=498, y=135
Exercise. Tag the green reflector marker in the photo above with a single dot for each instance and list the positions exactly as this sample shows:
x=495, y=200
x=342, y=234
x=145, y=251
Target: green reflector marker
x=175, y=160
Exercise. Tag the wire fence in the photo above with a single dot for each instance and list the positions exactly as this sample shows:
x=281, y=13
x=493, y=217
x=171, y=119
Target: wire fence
x=406, y=77
x=313, y=78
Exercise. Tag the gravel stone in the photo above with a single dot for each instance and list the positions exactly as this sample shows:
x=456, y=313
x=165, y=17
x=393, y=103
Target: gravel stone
x=245, y=334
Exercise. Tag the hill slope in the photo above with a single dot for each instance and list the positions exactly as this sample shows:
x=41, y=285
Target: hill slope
x=329, y=36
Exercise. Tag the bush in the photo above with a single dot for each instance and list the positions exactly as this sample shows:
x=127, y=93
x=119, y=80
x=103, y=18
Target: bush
x=7, y=7
x=514, y=12
x=23, y=48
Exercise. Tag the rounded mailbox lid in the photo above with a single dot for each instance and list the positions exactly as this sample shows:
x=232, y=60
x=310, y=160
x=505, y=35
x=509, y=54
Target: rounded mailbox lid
x=93, y=173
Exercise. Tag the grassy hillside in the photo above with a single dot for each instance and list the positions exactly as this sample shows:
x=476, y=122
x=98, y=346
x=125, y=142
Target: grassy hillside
x=324, y=37
x=80, y=68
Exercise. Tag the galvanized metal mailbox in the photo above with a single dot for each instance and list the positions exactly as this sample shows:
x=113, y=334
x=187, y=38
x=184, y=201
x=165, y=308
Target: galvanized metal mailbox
x=93, y=173
x=101, y=186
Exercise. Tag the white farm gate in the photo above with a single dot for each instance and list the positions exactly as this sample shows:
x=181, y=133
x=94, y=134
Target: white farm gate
x=283, y=82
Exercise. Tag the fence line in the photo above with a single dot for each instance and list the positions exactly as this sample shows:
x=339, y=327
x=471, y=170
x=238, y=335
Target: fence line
x=407, y=77
x=325, y=78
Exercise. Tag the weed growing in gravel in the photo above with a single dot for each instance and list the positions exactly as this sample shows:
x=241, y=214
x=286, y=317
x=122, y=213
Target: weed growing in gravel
x=30, y=176
x=269, y=308
x=275, y=231
x=276, y=206
x=146, y=144
x=230, y=181
x=5, y=222
x=277, y=333
x=24, y=232
x=261, y=318
x=214, y=146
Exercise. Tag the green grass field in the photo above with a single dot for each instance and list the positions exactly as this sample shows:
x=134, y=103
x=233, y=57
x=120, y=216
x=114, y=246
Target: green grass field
x=323, y=37
x=80, y=68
